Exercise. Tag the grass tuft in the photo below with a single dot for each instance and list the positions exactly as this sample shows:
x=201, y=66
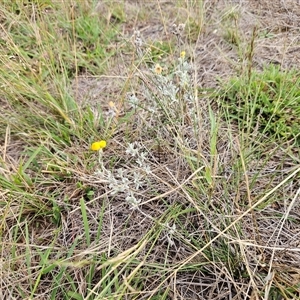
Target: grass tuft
x=267, y=102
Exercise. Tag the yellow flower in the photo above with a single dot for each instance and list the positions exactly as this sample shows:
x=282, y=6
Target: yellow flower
x=182, y=54
x=111, y=104
x=158, y=69
x=98, y=145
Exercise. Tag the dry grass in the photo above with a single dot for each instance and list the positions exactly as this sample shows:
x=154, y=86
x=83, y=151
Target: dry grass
x=180, y=204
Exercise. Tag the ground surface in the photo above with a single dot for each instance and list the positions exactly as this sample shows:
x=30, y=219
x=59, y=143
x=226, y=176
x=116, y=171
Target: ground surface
x=220, y=50
x=217, y=220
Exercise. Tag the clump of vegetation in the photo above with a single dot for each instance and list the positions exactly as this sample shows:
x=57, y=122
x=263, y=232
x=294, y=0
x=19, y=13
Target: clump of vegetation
x=148, y=193
x=268, y=101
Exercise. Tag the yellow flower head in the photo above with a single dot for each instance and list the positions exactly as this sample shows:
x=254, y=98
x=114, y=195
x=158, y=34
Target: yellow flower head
x=98, y=145
x=182, y=54
x=111, y=104
x=158, y=69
